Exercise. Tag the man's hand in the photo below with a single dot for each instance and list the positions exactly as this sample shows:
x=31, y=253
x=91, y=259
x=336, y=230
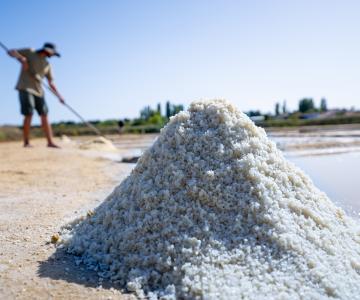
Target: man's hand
x=13, y=53
x=61, y=99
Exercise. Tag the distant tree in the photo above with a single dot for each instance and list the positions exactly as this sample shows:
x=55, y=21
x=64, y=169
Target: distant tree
x=149, y=116
x=253, y=113
x=144, y=113
x=176, y=109
x=284, y=108
x=277, y=109
x=110, y=122
x=173, y=109
x=306, y=105
x=323, y=105
x=159, y=108
x=156, y=119
x=168, y=109
x=147, y=112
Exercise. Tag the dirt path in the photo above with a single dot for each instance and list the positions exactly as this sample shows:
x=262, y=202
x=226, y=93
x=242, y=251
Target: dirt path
x=41, y=189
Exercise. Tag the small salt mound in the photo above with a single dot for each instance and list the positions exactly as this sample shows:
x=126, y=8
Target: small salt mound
x=98, y=144
x=214, y=211
x=65, y=139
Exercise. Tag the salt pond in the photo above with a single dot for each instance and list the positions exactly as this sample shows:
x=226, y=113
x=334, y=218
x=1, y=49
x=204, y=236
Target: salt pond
x=331, y=160
x=337, y=175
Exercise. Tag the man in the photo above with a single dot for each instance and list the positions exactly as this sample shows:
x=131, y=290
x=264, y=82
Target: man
x=35, y=67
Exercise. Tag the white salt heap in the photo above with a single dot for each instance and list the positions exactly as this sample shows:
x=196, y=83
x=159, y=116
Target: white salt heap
x=213, y=210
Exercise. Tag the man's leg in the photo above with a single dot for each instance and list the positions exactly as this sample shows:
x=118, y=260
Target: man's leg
x=26, y=130
x=27, y=104
x=48, y=131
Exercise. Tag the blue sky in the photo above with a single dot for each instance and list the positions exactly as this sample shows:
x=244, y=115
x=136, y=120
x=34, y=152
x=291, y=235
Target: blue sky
x=118, y=56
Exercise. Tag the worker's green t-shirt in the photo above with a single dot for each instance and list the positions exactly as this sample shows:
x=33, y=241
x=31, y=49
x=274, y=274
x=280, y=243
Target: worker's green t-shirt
x=39, y=67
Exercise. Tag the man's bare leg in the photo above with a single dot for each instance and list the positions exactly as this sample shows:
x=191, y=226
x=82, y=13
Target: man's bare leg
x=26, y=130
x=48, y=131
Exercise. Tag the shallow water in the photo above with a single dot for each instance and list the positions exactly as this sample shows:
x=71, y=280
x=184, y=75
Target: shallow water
x=331, y=160
x=337, y=175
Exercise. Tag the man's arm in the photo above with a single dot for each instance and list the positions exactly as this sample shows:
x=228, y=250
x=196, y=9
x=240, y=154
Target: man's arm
x=21, y=58
x=55, y=91
x=52, y=85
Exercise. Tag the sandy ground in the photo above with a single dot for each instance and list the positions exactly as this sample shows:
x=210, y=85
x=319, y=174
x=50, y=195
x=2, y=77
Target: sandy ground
x=42, y=189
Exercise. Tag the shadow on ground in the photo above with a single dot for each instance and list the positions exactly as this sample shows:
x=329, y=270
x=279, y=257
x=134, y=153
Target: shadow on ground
x=62, y=266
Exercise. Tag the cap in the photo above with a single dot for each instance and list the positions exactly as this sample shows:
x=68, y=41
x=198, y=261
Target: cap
x=51, y=49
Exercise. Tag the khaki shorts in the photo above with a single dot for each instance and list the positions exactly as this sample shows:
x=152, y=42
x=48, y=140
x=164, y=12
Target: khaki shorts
x=29, y=102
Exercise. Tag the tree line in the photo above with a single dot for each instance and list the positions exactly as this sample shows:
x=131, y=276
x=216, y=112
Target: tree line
x=155, y=116
x=306, y=105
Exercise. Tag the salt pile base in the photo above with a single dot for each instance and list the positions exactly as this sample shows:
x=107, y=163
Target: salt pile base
x=214, y=211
